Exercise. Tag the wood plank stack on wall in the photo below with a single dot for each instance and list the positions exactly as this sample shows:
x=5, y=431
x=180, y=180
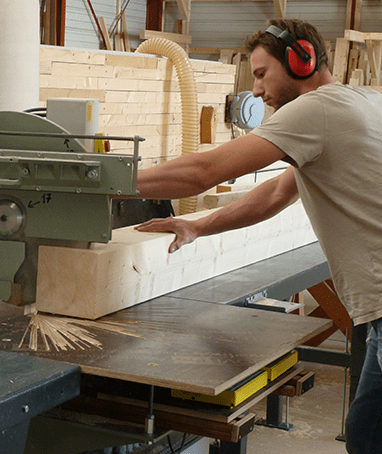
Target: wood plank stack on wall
x=358, y=59
x=138, y=94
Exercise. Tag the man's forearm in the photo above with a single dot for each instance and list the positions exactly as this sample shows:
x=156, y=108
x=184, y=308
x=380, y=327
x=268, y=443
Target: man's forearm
x=260, y=204
x=193, y=174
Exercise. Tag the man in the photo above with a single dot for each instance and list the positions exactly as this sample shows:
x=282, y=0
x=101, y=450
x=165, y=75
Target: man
x=332, y=136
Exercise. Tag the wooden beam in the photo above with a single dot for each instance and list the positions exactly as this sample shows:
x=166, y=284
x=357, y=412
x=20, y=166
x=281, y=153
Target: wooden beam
x=136, y=266
x=154, y=14
x=362, y=37
x=184, y=8
x=215, y=50
x=353, y=14
x=341, y=58
x=280, y=6
x=330, y=303
x=61, y=20
x=176, y=37
x=125, y=33
x=105, y=33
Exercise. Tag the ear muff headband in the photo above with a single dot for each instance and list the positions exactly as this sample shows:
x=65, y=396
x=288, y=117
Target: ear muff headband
x=300, y=57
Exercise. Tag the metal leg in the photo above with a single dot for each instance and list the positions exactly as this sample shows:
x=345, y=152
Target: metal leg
x=228, y=447
x=275, y=413
x=13, y=440
x=149, y=421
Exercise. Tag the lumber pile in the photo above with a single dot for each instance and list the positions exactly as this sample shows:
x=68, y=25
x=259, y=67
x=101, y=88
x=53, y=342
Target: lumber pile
x=138, y=94
x=358, y=59
x=135, y=267
x=231, y=191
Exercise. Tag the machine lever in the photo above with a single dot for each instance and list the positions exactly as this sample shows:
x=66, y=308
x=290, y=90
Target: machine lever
x=10, y=182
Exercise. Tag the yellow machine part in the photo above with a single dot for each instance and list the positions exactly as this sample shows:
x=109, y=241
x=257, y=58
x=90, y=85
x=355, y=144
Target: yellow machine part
x=280, y=366
x=237, y=394
x=229, y=398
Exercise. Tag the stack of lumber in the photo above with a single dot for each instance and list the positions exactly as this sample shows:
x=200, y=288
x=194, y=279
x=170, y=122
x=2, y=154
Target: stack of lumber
x=135, y=266
x=231, y=191
x=138, y=94
x=358, y=59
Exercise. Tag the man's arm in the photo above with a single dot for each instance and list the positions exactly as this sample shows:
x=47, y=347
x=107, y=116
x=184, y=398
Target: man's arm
x=260, y=204
x=195, y=173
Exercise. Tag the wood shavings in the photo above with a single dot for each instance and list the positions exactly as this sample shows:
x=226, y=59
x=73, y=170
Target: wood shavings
x=67, y=333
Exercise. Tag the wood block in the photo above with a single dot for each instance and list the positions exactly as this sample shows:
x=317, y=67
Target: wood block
x=353, y=62
x=125, y=33
x=176, y=37
x=208, y=124
x=236, y=62
x=356, y=77
x=105, y=32
x=341, y=60
x=364, y=64
x=222, y=199
x=226, y=56
x=135, y=267
x=226, y=187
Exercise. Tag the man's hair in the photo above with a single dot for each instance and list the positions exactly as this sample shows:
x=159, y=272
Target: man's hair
x=298, y=29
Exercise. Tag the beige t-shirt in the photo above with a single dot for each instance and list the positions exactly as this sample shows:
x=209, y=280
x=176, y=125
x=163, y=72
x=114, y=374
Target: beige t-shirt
x=334, y=134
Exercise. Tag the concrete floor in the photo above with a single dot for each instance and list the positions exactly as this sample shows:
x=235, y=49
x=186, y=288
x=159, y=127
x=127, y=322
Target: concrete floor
x=316, y=416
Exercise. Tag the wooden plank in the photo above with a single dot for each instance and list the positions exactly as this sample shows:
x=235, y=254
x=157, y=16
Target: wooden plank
x=51, y=54
x=280, y=7
x=176, y=37
x=354, y=35
x=353, y=61
x=236, y=61
x=374, y=56
x=136, y=266
x=125, y=33
x=178, y=344
x=184, y=8
x=356, y=77
x=226, y=56
x=214, y=50
x=105, y=32
x=222, y=199
x=364, y=65
x=341, y=60
x=330, y=303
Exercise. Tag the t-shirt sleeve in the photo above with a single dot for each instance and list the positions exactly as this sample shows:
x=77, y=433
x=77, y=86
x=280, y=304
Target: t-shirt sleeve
x=297, y=128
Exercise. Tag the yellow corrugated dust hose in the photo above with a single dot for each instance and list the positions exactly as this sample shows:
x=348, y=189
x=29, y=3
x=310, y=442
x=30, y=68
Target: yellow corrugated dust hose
x=189, y=101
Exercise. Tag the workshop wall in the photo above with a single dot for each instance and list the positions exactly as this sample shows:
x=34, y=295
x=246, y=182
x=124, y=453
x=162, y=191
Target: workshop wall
x=227, y=24
x=138, y=94
x=81, y=31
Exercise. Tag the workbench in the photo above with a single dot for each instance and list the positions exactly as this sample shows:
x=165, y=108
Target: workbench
x=195, y=339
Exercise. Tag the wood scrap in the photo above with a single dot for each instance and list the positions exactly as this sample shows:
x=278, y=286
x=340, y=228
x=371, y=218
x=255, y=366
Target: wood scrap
x=64, y=333
x=125, y=33
x=105, y=33
x=176, y=37
x=222, y=199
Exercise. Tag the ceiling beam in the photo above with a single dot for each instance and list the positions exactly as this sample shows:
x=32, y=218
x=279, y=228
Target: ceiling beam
x=280, y=6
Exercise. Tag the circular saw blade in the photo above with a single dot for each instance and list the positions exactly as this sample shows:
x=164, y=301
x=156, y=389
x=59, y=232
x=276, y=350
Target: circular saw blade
x=25, y=122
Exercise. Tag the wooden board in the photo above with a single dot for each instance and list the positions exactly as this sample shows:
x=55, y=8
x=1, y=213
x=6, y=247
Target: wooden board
x=135, y=267
x=175, y=343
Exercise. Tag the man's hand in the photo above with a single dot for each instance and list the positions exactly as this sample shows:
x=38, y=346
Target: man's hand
x=185, y=231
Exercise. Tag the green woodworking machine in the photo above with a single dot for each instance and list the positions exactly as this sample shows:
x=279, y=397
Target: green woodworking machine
x=53, y=191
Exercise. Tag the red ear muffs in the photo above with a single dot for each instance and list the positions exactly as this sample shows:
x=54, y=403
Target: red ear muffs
x=295, y=65
x=300, y=57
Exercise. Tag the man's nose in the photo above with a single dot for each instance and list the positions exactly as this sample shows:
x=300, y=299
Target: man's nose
x=257, y=89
